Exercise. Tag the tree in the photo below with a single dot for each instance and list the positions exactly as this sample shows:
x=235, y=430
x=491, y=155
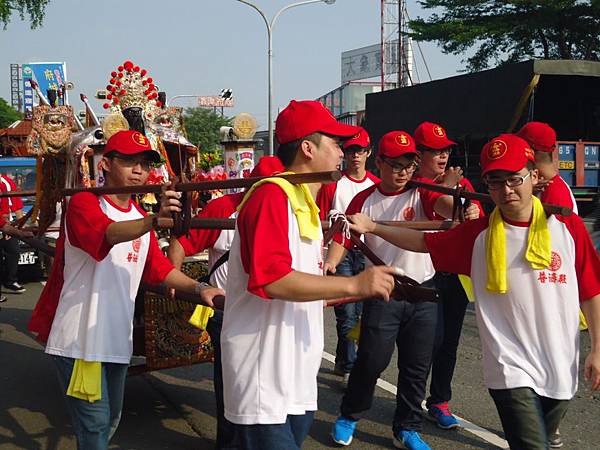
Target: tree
x=8, y=114
x=202, y=126
x=513, y=30
x=35, y=9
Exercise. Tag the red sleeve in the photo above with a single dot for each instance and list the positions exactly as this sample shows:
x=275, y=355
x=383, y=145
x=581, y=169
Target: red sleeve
x=201, y=239
x=2, y=221
x=587, y=261
x=355, y=206
x=451, y=251
x=428, y=199
x=86, y=225
x=157, y=265
x=17, y=202
x=469, y=187
x=264, y=245
x=557, y=193
x=325, y=199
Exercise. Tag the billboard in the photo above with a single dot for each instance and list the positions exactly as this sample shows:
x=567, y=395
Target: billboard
x=214, y=101
x=27, y=91
x=365, y=62
x=48, y=75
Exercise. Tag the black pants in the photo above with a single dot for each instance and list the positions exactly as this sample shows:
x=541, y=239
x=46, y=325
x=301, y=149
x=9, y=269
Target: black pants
x=527, y=418
x=227, y=437
x=451, y=316
x=9, y=252
x=409, y=326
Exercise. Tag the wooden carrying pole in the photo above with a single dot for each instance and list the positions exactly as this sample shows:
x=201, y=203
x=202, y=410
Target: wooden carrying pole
x=484, y=198
x=232, y=183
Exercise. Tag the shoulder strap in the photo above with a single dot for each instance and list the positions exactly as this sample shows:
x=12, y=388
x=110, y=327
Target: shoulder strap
x=222, y=260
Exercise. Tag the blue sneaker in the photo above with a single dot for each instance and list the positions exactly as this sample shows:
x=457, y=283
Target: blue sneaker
x=441, y=415
x=410, y=440
x=343, y=429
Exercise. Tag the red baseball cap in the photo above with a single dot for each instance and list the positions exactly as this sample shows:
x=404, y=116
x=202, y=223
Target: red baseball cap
x=361, y=139
x=267, y=166
x=540, y=136
x=129, y=142
x=432, y=135
x=396, y=143
x=304, y=117
x=506, y=152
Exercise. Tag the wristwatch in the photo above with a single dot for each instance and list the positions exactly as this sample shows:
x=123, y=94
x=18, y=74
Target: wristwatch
x=200, y=286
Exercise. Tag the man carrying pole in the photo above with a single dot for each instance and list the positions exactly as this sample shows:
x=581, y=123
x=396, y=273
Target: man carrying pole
x=107, y=246
x=528, y=270
x=272, y=337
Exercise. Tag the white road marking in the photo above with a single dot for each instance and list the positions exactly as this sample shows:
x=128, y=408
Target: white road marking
x=478, y=431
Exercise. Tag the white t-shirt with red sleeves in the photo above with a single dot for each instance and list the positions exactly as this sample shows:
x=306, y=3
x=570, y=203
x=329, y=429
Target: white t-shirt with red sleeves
x=559, y=193
x=94, y=318
x=337, y=196
x=218, y=242
x=530, y=335
x=271, y=348
x=406, y=205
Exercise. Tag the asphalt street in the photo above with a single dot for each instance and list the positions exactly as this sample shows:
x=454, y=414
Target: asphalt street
x=174, y=409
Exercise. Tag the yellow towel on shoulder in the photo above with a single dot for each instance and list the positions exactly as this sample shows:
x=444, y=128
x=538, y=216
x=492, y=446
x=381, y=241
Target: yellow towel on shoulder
x=538, y=252
x=303, y=205
x=86, y=380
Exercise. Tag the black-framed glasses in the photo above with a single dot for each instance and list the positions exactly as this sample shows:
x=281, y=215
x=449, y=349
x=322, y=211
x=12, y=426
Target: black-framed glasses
x=495, y=184
x=397, y=168
x=358, y=151
x=129, y=161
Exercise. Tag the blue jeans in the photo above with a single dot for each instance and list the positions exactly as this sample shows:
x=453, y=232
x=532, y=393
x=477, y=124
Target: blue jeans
x=226, y=431
x=95, y=423
x=286, y=436
x=411, y=327
x=348, y=314
x=528, y=418
x=450, y=321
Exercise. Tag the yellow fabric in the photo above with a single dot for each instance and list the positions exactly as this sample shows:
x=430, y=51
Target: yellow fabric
x=582, y=322
x=200, y=316
x=354, y=333
x=467, y=285
x=538, y=252
x=303, y=205
x=86, y=380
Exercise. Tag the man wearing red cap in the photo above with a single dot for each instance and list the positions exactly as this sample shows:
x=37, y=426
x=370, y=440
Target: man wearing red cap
x=528, y=270
x=272, y=337
x=335, y=198
x=542, y=139
x=434, y=150
x=218, y=243
x=86, y=310
x=409, y=325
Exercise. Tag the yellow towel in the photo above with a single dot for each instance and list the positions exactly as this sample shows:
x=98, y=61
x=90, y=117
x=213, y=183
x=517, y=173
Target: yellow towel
x=467, y=285
x=200, y=316
x=303, y=205
x=86, y=380
x=538, y=252
x=582, y=322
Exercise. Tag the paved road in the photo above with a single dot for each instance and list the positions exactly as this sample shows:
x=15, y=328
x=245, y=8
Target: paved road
x=174, y=409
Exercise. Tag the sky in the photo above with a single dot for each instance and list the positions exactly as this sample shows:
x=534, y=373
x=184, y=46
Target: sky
x=198, y=47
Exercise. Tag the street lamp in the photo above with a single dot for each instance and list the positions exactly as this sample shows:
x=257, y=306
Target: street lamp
x=270, y=52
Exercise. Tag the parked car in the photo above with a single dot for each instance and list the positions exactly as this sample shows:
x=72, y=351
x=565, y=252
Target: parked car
x=22, y=170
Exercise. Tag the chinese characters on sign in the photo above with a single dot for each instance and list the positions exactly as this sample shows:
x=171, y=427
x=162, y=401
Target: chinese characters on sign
x=365, y=62
x=215, y=101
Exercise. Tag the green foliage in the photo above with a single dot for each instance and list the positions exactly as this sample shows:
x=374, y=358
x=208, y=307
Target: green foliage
x=8, y=114
x=514, y=30
x=35, y=9
x=202, y=126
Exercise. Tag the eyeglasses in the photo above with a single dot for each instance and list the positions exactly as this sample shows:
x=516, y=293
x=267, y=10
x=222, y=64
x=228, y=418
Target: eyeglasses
x=128, y=161
x=512, y=181
x=358, y=151
x=397, y=168
x=442, y=151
